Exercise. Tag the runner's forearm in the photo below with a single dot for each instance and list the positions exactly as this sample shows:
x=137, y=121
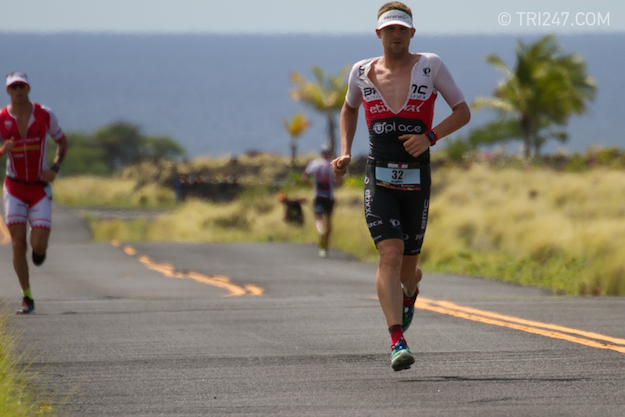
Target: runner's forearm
x=349, y=122
x=61, y=151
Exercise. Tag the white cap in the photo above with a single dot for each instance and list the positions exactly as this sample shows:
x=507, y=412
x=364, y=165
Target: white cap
x=395, y=17
x=16, y=77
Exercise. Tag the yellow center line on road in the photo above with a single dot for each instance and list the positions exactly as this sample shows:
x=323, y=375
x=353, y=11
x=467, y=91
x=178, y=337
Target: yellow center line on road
x=553, y=331
x=5, y=236
x=220, y=281
x=591, y=339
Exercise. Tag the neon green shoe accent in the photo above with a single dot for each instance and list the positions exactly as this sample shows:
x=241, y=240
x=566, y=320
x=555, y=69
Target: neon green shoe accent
x=27, y=293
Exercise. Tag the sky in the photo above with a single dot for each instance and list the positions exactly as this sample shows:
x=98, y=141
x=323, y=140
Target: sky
x=318, y=17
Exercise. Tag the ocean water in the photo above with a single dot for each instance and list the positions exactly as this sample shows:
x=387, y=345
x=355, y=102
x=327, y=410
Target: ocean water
x=224, y=94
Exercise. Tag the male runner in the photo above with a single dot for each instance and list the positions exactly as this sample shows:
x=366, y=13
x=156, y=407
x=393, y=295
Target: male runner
x=24, y=128
x=323, y=202
x=398, y=91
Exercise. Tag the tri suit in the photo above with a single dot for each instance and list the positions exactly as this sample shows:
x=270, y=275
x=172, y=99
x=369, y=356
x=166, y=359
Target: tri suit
x=321, y=171
x=397, y=185
x=24, y=196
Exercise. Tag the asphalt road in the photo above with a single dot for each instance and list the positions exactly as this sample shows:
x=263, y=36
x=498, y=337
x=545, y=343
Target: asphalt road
x=180, y=329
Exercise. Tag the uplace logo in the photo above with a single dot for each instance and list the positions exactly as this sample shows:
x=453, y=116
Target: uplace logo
x=384, y=127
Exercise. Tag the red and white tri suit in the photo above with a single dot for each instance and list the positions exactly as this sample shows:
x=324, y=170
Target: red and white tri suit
x=397, y=184
x=429, y=77
x=24, y=196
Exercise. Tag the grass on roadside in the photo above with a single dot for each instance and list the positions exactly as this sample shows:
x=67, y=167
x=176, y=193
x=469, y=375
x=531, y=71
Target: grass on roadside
x=557, y=230
x=18, y=398
x=92, y=191
x=563, y=231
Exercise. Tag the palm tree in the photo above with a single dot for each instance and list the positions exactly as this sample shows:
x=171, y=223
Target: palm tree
x=295, y=127
x=325, y=95
x=544, y=88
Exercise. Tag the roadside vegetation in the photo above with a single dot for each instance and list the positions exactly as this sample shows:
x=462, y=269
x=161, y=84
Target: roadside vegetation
x=557, y=223
x=557, y=230
x=18, y=397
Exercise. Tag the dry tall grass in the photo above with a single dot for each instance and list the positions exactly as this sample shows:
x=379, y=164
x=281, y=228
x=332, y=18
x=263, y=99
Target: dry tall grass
x=259, y=218
x=564, y=231
x=91, y=191
x=535, y=226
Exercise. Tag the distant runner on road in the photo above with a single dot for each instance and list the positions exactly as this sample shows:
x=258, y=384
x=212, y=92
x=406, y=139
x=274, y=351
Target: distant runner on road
x=324, y=179
x=24, y=130
x=398, y=91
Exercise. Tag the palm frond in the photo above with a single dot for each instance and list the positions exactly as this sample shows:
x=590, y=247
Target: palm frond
x=492, y=103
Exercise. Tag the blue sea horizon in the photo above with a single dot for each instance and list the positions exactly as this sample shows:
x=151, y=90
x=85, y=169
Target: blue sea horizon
x=225, y=94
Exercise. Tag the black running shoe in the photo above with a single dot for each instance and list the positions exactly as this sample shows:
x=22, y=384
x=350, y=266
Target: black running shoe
x=38, y=259
x=28, y=306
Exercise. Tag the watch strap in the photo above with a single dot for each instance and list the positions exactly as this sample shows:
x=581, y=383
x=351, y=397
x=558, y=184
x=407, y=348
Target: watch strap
x=432, y=136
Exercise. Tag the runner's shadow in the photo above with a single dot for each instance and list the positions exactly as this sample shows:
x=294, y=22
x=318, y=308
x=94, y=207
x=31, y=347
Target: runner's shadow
x=491, y=379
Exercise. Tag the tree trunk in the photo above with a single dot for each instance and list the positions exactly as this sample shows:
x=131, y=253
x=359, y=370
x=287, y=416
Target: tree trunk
x=332, y=133
x=536, y=149
x=527, y=138
x=527, y=145
x=293, y=151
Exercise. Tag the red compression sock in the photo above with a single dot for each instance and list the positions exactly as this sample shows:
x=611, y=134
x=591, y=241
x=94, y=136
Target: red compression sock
x=396, y=332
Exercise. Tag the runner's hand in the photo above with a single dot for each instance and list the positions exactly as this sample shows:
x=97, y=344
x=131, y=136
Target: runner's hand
x=8, y=144
x=415, y=145
x=339, y=165
x=48, y=175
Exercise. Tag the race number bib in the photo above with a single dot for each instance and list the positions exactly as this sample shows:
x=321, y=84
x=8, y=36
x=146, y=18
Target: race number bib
x=397, y=175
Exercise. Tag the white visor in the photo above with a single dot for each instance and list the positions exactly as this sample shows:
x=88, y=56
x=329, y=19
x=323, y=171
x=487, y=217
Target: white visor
x=395, y=17
x=16, y=77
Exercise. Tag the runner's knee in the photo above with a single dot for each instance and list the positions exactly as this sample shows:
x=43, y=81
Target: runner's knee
x=19, y=246
x=391, y=253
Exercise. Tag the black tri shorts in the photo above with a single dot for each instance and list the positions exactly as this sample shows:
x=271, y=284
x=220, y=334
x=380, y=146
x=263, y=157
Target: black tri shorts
x=323, y=206
x=399, y=210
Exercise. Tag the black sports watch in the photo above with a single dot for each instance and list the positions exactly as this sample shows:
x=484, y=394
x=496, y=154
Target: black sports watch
x=432, y=136
x=55, y=168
